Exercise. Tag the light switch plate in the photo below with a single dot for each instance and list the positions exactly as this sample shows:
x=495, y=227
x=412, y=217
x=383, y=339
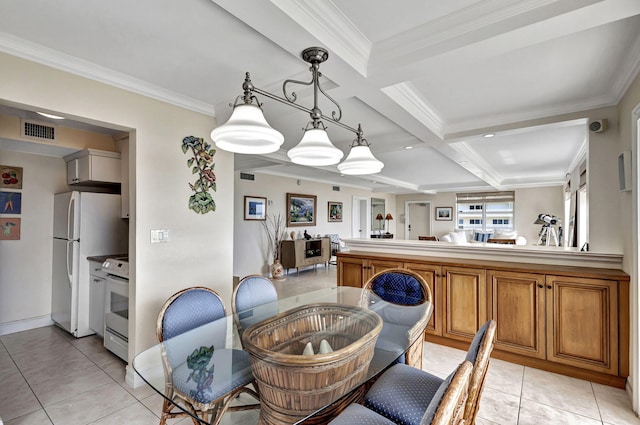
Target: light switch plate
x=159, y=235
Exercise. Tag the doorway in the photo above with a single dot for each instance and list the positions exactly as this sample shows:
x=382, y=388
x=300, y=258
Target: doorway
x=417, y=219
x=360, y=217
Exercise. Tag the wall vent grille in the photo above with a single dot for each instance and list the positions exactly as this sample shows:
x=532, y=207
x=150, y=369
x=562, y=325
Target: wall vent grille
x=247, y=176
x=336, y=188
x=37, y=130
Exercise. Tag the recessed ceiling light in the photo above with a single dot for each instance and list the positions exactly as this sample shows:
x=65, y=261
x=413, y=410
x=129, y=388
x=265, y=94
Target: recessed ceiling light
x=408, y=147
x=488, y=135
x=463, y=162
x=53, y=117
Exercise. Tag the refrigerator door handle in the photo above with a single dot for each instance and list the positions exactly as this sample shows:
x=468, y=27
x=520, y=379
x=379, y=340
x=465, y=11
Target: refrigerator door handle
x=71, y=217
x=69, y=261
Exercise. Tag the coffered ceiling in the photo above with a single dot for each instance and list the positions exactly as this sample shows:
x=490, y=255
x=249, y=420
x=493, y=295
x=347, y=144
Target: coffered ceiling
x=429, y=75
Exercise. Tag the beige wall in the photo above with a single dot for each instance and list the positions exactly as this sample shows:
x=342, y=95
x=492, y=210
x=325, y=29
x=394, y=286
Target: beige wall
x=250, y=253
x=25, y=265
x=200, y=249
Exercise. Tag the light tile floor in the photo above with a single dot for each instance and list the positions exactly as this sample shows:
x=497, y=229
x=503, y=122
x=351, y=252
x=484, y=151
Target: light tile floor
x=48, y=377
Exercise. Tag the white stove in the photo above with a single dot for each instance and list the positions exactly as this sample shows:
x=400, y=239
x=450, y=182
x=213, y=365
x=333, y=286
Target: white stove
x=116, y=319
x=118, y=266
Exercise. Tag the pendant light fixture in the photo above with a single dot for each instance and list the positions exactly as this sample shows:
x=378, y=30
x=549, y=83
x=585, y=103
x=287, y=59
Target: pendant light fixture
x=360, y=160
x=248, y=132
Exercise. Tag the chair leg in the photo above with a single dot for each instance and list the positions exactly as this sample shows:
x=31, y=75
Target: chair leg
x=224, y=406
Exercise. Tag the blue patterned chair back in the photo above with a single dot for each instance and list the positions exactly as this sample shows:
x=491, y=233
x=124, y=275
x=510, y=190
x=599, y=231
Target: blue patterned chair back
x=189, y=309
x=254, y=299
x=399, y=287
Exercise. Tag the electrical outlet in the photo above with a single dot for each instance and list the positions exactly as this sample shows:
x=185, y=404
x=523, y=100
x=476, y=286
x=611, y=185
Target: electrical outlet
x=159, y=236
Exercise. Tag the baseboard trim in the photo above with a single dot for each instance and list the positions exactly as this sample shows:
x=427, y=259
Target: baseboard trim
x=25, y=324
x=132, y=378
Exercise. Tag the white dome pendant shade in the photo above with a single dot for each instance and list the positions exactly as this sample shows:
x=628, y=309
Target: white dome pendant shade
x=315, y=149
x=360, y=161
x=248, y=132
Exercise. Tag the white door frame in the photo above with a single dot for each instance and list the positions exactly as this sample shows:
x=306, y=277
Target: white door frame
x=406, y=216
x=633, y=383
x=356, y=215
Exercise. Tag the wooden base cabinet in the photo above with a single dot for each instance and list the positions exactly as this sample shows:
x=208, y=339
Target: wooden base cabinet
x=582, y=322
x=516, y=301
x=464, y=302
x=432, y=274
x=569, y=320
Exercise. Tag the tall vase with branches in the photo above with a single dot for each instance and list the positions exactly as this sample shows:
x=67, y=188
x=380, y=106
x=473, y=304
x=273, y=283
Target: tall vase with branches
x=274, y=228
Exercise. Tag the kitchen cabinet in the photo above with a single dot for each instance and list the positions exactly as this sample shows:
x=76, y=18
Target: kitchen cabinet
x=582, y=322
x=516, y=301
x=357, y=271
x=565, y=319
x=97, y=286
x=93, y=167
x=432, y=275
x=464, y=302
x=302, y=252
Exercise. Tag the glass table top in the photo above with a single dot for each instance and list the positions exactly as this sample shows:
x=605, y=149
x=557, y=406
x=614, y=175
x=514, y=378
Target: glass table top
x=209, y=358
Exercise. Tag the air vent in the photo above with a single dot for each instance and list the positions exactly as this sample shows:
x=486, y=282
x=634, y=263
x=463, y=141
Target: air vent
x=37, y=130
x=247, y=176
x=336, y=188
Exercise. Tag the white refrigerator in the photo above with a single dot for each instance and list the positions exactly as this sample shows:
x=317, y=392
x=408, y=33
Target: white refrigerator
x=85, y=224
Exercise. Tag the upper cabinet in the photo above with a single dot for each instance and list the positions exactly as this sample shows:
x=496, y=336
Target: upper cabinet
x=93, y=167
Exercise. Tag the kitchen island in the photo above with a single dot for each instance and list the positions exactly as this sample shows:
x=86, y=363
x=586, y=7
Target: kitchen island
x=556, y=309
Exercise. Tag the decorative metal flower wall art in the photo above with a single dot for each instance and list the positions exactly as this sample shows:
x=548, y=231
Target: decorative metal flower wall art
x=201, y=163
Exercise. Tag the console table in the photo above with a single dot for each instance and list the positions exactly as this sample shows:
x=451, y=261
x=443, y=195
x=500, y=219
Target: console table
x=383, y=236
x=305, y=252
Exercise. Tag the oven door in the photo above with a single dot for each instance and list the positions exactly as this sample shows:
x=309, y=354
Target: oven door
x=117, y=305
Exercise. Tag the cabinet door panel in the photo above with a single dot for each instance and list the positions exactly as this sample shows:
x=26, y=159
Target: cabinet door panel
x=582, y=323
x=464, y=301
x=516, y=303
x=376, y=266
x=431, y=274
x=351, y=272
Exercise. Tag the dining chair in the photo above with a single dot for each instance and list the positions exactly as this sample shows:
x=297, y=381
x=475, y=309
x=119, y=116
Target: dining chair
x=254, y=299
x=413, y=389
x=446, y=407
x=186, y=310
x=401, y=288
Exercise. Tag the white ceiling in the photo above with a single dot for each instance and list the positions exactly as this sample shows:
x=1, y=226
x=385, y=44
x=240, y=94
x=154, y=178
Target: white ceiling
x=414, y=73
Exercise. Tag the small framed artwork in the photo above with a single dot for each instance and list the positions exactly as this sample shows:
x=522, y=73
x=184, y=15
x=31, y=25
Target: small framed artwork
x=301, y=210
x=444, y=213
x=10, y=202
x=335, y=211
x=9, y=229
x=11, y=177
x=255, y=208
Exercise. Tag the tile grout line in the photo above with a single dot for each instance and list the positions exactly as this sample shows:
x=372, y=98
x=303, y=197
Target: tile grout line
x=524, y=368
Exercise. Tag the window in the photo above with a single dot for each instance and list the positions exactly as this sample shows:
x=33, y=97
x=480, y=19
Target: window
x=485, y=210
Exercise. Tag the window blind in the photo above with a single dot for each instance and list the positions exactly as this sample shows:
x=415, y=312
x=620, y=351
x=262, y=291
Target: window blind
x=480, y=197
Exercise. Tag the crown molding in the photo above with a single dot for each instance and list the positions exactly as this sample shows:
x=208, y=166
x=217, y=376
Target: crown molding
x=325, y=21
x=531, y=114
x=408, y=97
x=55, y=59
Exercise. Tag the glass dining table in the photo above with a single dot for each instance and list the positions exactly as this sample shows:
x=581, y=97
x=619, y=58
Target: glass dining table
x=344, y=315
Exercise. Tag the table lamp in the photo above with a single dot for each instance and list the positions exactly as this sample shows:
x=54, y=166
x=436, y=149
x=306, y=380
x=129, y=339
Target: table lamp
x=388, y=217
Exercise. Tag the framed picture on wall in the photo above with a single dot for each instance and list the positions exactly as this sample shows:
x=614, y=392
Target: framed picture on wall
x=334, y=211
x=9, y=229
x=444, y=213
x=301, y=210
x=11, y=177
x=10, y=203
x=255, y=208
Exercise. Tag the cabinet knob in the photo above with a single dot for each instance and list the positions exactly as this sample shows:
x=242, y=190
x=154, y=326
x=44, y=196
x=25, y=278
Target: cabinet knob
x=548, y=286
x=540, y=286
